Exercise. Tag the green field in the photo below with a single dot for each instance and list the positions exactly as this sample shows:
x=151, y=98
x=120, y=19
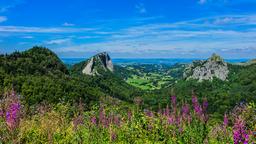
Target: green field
x=150, y=81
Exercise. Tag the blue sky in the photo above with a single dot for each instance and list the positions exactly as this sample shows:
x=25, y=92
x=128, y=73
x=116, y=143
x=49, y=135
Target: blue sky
x=131, y=28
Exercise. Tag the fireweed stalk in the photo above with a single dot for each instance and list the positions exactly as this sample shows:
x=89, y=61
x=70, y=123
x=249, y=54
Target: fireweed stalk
x=12, y=115
x=12, y=110
x=174, y=103
x=239, y=132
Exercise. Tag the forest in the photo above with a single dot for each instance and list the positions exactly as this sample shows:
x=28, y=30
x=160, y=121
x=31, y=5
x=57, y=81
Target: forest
x=42, y=100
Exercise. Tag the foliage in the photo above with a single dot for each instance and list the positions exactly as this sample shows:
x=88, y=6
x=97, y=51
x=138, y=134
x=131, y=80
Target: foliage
x=110, y=124
x=150, y=76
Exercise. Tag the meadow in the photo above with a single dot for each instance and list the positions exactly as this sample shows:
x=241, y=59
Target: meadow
x=114, y=121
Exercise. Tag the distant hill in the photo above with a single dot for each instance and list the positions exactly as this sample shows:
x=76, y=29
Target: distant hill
x=208, y=69
x=251, y=62
x=36, y=61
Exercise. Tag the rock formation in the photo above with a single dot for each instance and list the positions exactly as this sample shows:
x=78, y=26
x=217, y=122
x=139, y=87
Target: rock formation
x=98, y=63
x=208, y=69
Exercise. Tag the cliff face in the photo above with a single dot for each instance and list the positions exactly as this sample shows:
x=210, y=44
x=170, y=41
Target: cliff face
x=208, y=69
x=97, y=63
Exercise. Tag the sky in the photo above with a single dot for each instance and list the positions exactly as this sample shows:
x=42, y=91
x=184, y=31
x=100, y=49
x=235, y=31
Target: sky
x=131, y=28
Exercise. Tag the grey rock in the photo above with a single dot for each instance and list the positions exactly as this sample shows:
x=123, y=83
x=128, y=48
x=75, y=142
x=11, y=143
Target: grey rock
x=208, y=69
x=99, y=62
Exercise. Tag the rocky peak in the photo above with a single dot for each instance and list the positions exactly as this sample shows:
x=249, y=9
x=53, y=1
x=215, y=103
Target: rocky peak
x=208, y=69
x=97, y=63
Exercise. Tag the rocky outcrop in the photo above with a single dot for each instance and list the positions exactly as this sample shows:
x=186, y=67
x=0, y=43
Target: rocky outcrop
x=208, y=69
x=98, y=63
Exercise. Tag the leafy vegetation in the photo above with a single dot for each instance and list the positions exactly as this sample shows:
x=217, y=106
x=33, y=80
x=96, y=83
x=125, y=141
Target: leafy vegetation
x=150, y=76
x=56, y=104
x=113, y=122
x=40, y=76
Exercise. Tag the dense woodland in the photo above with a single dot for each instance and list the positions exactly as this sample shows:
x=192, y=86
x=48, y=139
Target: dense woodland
x=39, y=77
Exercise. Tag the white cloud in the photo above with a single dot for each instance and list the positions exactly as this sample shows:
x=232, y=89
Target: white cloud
x=202, y=36
x=198, y=37
x=3, y=19
x=88, y=37
x=68, y=24
x=23, y=29
x=141, y=8
x=58, y=41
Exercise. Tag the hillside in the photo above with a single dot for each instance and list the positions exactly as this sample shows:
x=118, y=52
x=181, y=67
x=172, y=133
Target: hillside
x=72, y=106
x=40, y=76
x=36, y=61
x=102, y=73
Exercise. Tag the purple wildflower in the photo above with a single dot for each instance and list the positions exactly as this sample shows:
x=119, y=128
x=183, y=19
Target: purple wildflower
x=205, y=104
x=180, y=129
x=102, y=117
x=94, y=120
x=173, y=100
x=178, y=120
x=116, y=120
x=12, y=115
x=113, y=136
x=189, y=118
x=79, y=120
x=170, y=120
x=149, y=113
x=194, y=100
x=106, y=122
x=197, y=107
x=225, y=121
x=185, y=109
x=185, y=112
x=167, y=111
x=239, y=132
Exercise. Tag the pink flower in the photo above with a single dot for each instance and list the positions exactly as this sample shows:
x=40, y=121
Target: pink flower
x=79, y=120
x=170, y=120
x=113, y=136
x=94, y=120
x=197, y=107
x=185, y=109
x=225, y=120
x=116, y=120
x=205, y=104
x=12, y=115
x=194, y=100
x=173, y=100
x=239, y=132
x=149, y=113
x=167, y=111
